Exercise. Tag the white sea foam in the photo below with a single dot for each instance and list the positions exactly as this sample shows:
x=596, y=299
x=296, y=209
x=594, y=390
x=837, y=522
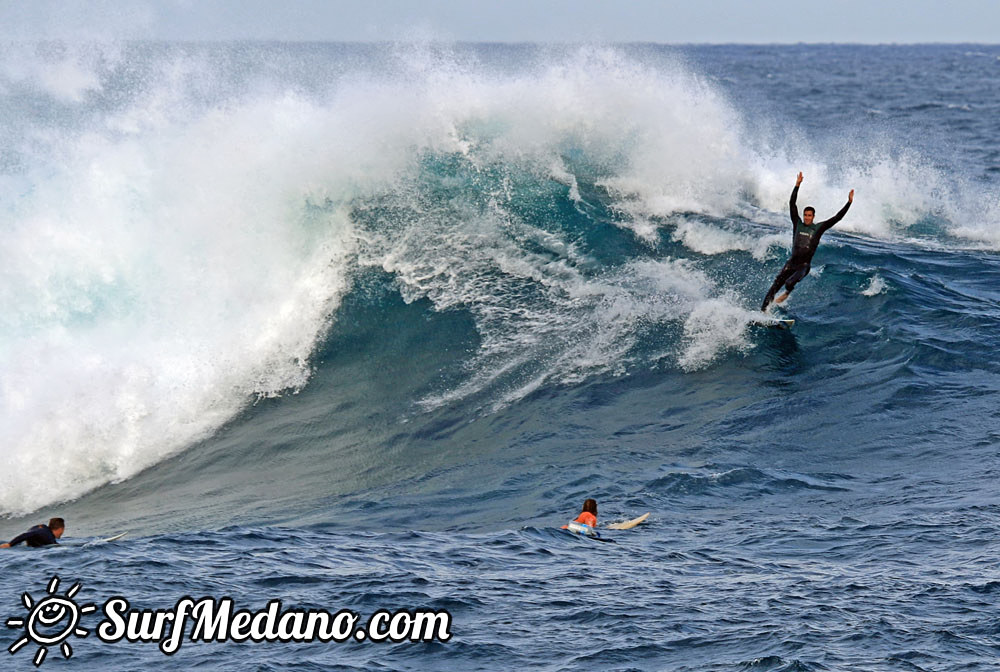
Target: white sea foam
x=707, y=239
x=155, y=282
x=876, y=285
x=714, y=326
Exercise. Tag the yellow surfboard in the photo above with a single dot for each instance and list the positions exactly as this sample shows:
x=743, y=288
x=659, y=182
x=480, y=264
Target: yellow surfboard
x=627, y=524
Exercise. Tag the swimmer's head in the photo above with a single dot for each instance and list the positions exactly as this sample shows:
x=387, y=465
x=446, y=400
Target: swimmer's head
x=57, y=526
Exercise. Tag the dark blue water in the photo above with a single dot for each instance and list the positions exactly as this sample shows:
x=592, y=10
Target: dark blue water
x=360, y=328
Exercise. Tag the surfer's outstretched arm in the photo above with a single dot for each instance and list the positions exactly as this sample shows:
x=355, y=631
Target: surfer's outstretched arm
x=793, y=208
x=18, y=539
x=840, y=215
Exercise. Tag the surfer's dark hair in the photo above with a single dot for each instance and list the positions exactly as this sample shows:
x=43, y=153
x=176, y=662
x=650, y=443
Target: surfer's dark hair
x=56, y=523
x=590, y=506
x=808, y=208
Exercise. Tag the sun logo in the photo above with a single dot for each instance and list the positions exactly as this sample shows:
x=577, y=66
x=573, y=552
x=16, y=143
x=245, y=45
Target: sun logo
x=50, y=622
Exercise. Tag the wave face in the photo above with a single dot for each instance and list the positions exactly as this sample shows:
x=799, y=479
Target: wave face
x=388, y=314
x=183, y=224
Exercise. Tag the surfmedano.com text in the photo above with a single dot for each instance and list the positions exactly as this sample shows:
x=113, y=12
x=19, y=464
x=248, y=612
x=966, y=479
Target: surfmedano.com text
x=216, y=620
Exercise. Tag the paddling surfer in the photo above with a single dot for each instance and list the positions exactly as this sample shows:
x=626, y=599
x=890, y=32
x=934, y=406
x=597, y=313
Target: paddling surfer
x=589, y=514
x=805, y=239
x=40, y=535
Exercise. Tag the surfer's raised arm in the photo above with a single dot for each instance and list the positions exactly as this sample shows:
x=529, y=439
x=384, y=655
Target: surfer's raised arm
x=840, y=215
x=793, y=208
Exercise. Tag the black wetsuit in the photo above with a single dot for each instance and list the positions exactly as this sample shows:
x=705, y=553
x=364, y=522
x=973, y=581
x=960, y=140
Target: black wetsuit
x=805, y=239
x=39, y=535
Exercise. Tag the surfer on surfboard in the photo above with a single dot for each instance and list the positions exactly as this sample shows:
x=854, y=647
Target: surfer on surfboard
x=805, y=239
x=588, y=516
x=40, y=535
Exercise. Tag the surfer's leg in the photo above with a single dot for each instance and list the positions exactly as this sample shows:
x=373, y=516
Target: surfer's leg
x=783, y=274
x=793, y=279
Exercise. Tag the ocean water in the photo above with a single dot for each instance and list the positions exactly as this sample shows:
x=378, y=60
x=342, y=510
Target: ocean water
x=360, y=326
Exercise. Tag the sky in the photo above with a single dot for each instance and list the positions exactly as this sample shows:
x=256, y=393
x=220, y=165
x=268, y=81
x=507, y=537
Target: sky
x=663, y=21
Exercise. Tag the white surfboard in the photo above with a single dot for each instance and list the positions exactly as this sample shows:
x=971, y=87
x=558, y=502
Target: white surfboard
x=627, y=524
x=92, y=542
x=114, y=538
